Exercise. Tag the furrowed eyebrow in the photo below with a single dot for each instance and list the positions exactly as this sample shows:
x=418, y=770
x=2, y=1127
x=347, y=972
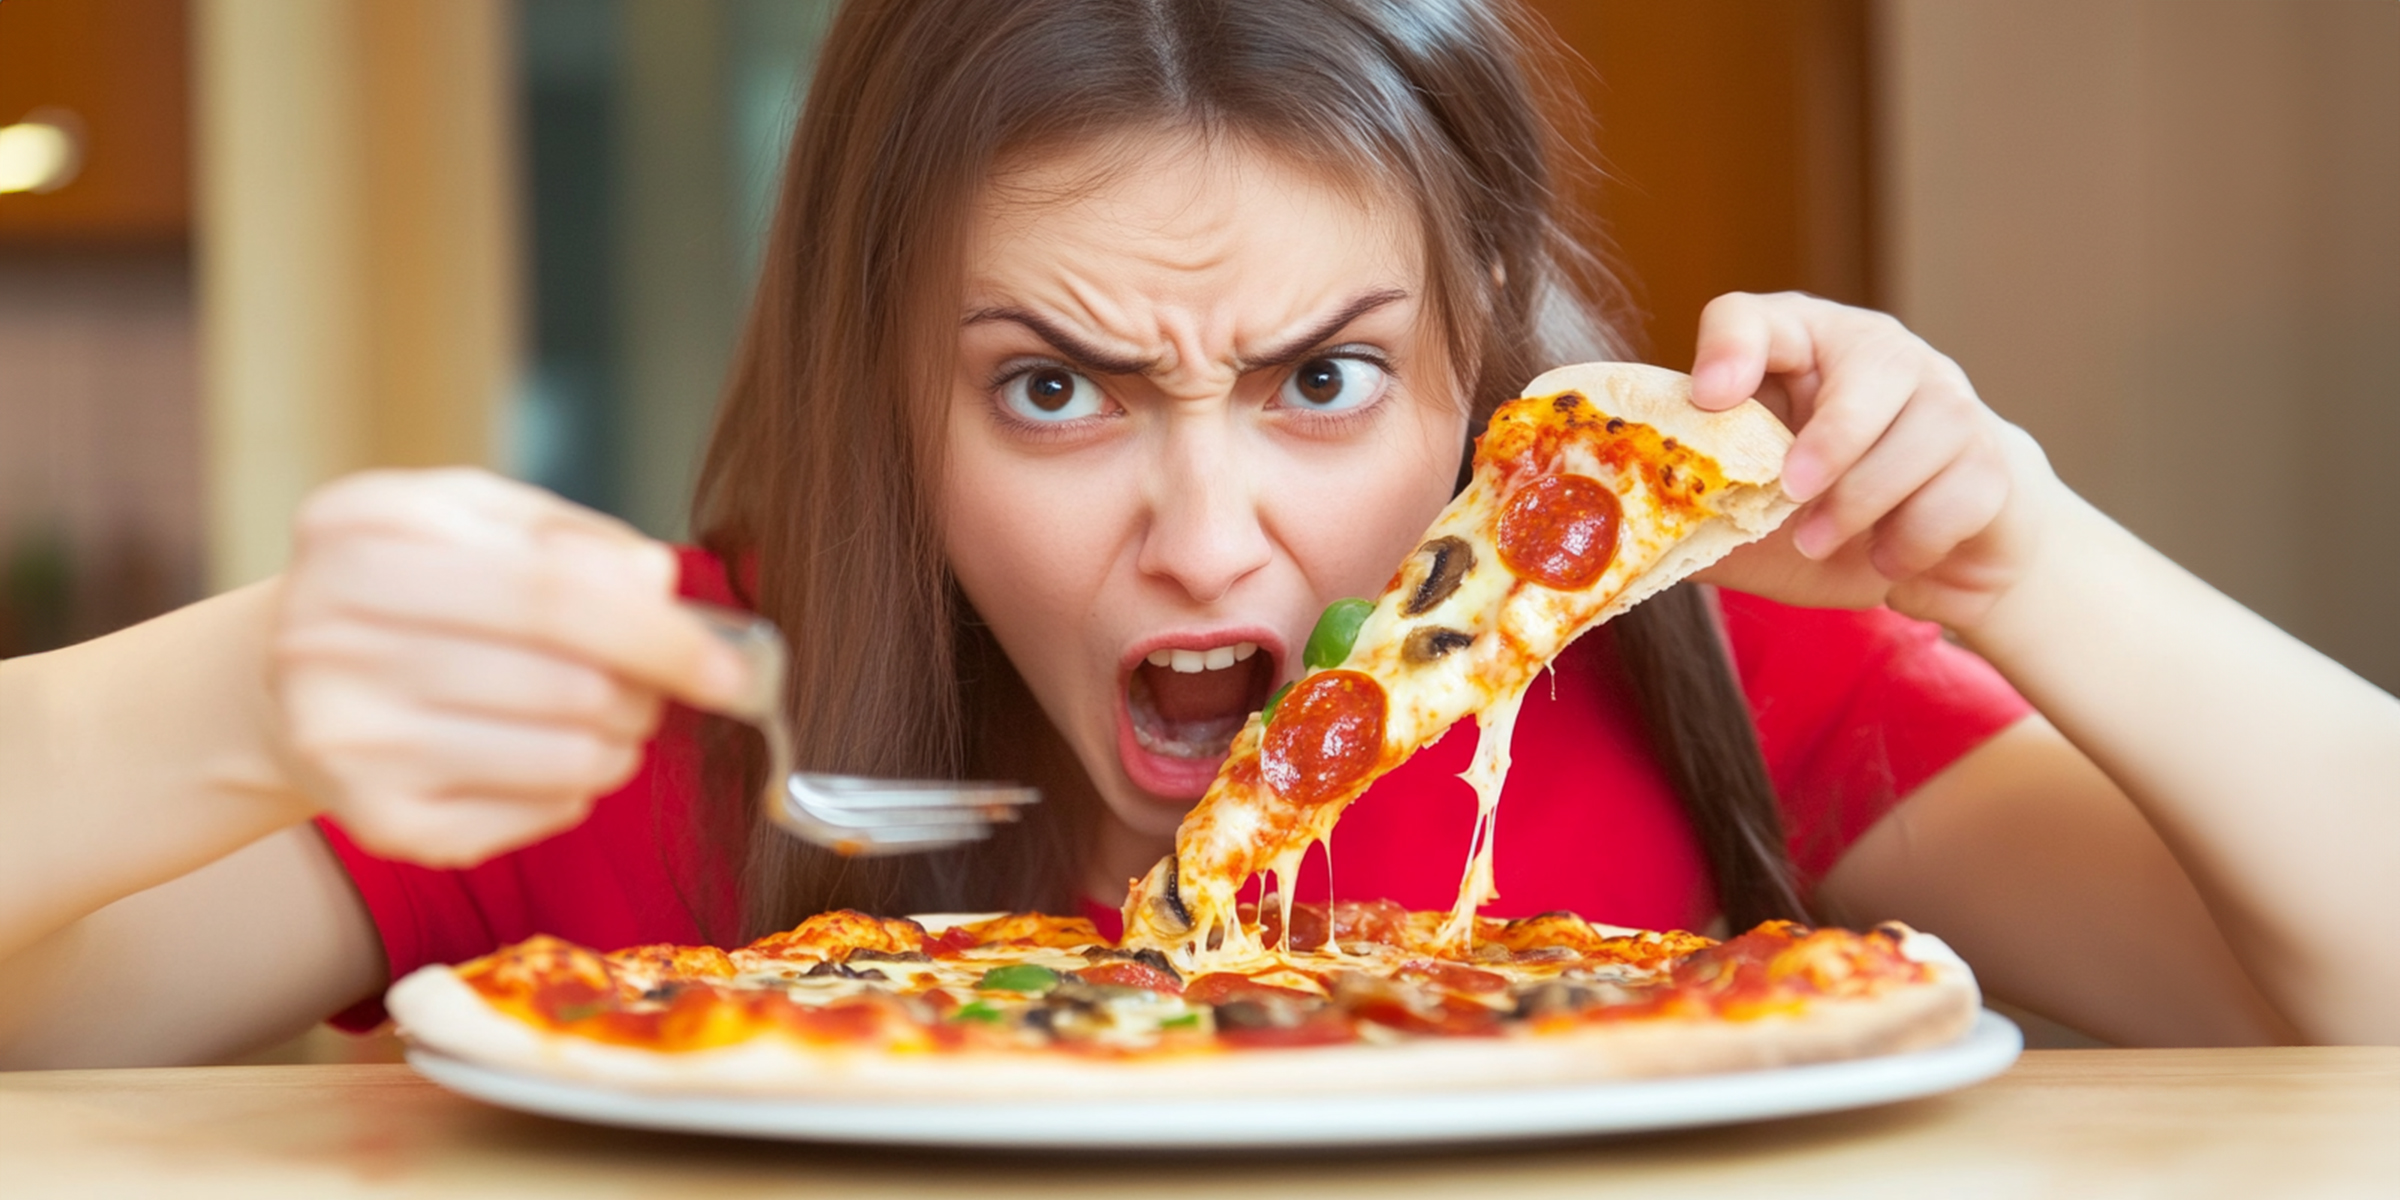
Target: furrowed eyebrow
x=1084, y=353
x=1293, y=349
x=1106, y=362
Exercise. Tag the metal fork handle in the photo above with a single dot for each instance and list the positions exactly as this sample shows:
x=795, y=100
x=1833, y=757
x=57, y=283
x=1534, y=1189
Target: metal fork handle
x=851, y=792
x=761, y=648
x=848, y=813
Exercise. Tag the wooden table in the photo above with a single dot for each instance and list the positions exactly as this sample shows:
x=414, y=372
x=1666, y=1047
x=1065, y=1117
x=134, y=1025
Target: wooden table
x=2063, y=1122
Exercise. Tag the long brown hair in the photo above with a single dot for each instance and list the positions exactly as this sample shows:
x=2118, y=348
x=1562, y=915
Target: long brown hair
x=819, y=475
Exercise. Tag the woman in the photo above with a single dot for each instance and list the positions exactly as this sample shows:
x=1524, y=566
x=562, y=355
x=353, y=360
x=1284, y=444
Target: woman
x=1099, y=332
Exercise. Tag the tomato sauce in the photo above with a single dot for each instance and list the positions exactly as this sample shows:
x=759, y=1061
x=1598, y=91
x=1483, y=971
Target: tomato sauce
x=569, y=999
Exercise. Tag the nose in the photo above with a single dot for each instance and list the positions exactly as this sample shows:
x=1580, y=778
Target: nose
x=1204, y=532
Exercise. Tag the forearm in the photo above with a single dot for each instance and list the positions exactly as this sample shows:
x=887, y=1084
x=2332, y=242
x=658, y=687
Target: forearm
x=132, y=759
x=2272, y=772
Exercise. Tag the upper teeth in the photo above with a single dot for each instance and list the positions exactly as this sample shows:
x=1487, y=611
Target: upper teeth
x=1192, y=661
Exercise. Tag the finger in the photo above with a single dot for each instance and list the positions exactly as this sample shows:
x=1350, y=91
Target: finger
x=1743, y=339
x=365, y=741
x=1778, y=395
x=475, y=676
x=455, y=504
x=454, y=832
x=1953, y=507
x=461, y=508
x=1930, y=431
x=577, y=596
x=1866, y=378
x=458, y=508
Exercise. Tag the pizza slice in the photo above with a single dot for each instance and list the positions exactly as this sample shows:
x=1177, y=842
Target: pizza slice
x=1599, y=487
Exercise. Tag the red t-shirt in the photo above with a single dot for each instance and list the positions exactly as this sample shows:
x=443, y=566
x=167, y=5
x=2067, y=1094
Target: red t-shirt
x=1854, y=711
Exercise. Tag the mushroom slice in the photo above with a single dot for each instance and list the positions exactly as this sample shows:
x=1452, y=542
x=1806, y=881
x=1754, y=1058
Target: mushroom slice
x=1446, y=563
x=1433, y=642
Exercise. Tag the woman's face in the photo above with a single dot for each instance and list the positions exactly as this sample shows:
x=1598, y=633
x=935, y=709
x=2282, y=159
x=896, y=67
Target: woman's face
x=1195, y=402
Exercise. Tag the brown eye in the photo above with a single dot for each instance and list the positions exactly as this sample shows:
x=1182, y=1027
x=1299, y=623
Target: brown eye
x=1051, y=394
x=1050, y=390
x=1320, y=380
x=1333, y=384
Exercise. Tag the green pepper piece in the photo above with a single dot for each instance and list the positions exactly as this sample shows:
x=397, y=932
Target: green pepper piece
x=1268, y=714
x=1329, y=643
x=1189, y=1020
x=1018, y=977
x=976, y=1010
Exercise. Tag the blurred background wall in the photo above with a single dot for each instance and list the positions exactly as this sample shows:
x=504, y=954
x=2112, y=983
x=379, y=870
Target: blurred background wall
x=357, y=249
x=307, y=238
x=654, y=131
x=99, y=475
x=2164, y=235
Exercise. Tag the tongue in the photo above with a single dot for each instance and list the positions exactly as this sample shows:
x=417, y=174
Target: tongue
x=1198, y=696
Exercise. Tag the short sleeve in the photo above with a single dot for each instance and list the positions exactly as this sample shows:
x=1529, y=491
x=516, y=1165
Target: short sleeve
x=1855, y=711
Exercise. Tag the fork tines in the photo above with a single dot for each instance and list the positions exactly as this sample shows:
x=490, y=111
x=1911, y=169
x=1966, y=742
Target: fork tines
x=892, y=816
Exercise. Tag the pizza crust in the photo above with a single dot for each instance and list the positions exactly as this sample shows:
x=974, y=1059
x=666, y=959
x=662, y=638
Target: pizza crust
x=1747, y=442
x=439, y=1011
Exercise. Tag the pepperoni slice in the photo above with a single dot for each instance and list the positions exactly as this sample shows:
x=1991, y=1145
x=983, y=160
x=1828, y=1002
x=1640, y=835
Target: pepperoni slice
x=1324, y=1027
x=1225, y=987
x=1325, y=737
x=1560, y=531
x=1131, y=974
x=952, y=941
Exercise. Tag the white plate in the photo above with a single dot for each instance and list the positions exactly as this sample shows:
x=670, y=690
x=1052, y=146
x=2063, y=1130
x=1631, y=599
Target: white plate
x=1463, y=1116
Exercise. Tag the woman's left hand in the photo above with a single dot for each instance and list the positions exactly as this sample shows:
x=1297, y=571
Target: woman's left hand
x=1914, y=493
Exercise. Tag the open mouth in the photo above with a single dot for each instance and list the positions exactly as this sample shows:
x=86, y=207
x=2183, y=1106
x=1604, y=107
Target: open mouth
x=1183, y=706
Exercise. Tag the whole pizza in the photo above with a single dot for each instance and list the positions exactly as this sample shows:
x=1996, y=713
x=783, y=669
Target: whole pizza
x=1602, y=485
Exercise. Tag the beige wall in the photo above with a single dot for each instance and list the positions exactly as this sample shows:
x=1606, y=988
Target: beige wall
x=2164, y=235
x=356, y=247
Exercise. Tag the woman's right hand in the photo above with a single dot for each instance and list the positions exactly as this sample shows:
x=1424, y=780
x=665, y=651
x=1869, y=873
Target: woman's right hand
x=465, y=663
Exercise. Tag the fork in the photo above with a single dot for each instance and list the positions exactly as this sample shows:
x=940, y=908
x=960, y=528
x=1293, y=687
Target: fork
x=849, y=814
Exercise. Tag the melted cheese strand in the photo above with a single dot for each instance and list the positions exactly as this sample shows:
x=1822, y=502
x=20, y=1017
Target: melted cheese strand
x=1495, y=729
x=1332, y=898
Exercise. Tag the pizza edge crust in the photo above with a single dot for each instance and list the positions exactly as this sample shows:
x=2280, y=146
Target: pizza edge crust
x=437, y=1010
x=1747, y=441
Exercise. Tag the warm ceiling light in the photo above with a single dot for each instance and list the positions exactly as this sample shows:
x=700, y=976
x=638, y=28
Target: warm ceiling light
x=40, y=153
